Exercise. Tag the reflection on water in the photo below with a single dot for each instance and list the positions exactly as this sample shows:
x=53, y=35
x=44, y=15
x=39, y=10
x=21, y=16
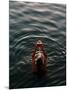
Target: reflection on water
x=28, y=22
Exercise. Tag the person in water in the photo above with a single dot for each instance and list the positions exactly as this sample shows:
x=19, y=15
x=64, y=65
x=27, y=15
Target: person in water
x=39, y=60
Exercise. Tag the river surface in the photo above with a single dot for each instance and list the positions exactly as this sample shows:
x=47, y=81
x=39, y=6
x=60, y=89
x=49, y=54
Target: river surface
x=28, y=22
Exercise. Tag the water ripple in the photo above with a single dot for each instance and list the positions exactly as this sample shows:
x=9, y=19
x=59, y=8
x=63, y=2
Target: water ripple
x=29, y=22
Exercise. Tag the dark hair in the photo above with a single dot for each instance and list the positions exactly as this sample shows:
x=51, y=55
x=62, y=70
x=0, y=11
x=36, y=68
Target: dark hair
x=39, y=62
x=39, y=66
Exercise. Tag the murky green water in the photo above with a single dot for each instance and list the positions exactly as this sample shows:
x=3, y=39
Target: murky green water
x=29, y=22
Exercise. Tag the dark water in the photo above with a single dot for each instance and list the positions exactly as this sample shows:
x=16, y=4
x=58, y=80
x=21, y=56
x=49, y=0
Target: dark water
x=29, y=22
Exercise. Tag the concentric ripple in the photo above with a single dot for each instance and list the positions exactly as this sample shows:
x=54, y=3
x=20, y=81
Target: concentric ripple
x=29, y=22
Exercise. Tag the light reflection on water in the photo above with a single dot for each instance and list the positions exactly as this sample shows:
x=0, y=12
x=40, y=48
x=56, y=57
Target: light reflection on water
x=29, y=22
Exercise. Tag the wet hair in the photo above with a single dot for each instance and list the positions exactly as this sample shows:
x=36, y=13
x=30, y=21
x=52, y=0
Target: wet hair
x=39, y=66
x=39, y=62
